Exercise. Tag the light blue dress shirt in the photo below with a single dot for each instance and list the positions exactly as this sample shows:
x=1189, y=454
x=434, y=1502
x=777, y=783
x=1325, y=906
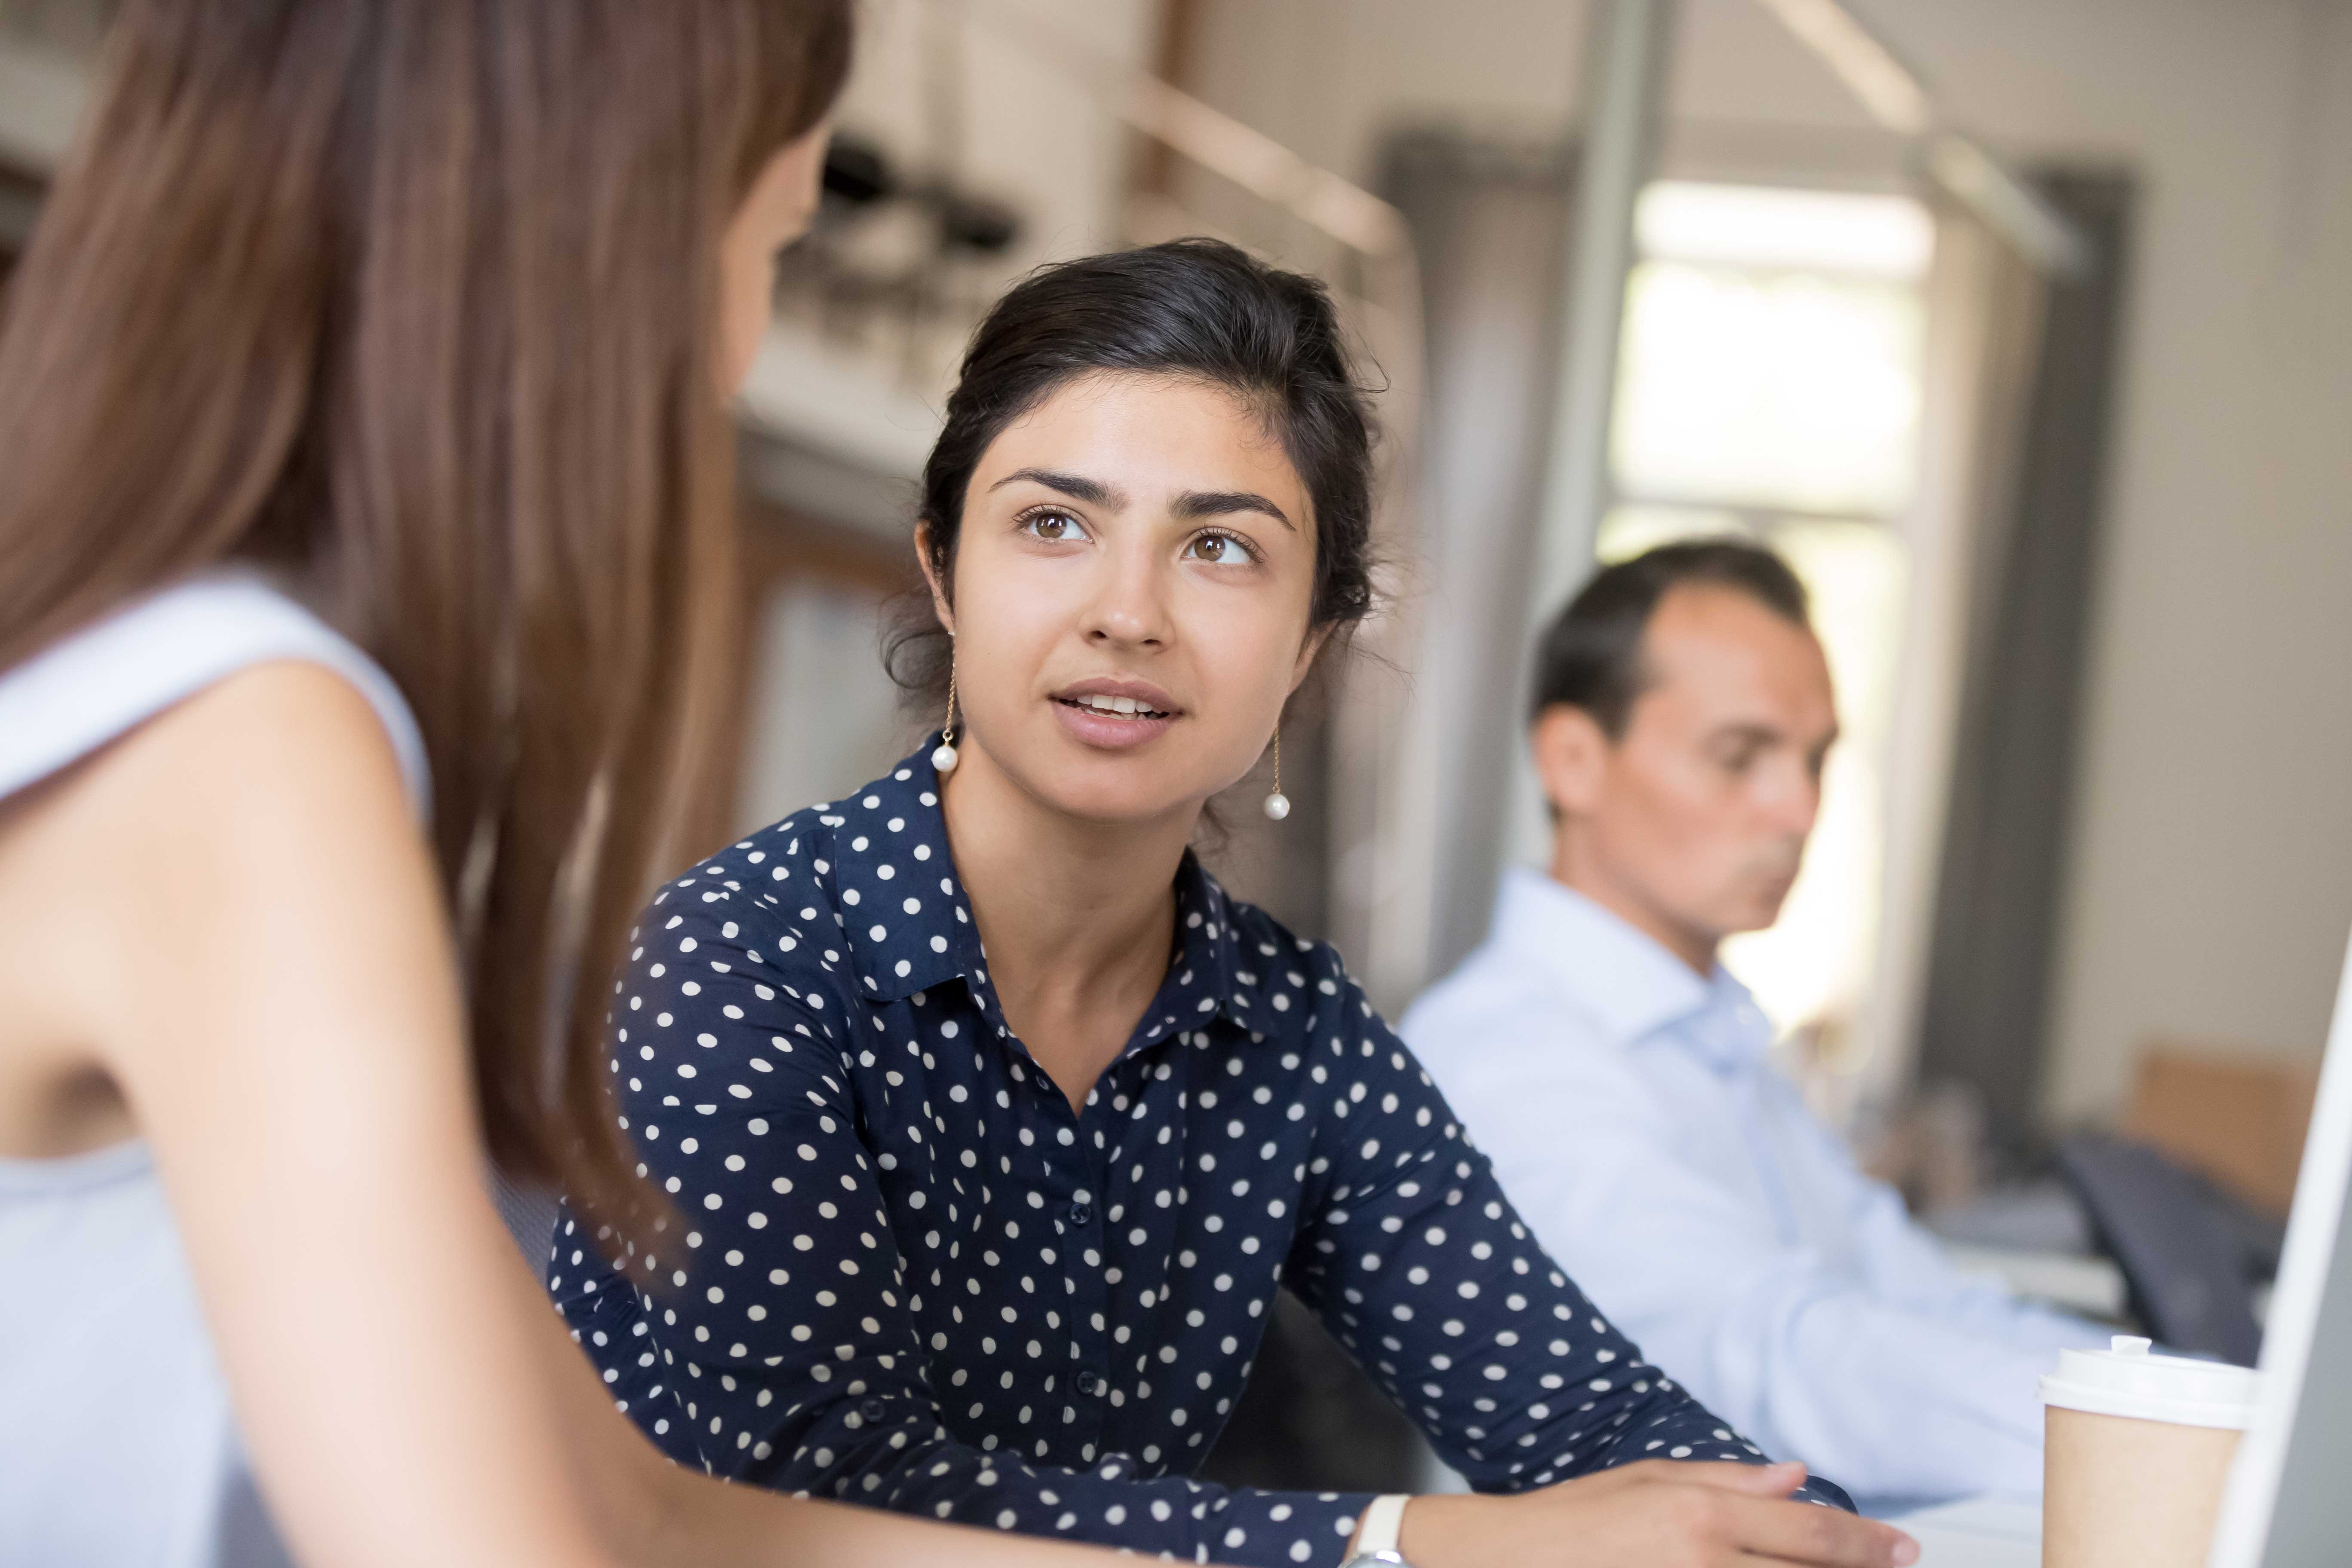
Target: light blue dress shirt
x=1632, y=1113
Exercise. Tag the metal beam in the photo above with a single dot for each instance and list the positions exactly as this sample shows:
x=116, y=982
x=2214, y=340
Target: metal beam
x=2050, y=242
x=1627, y=49
x=1896, y=97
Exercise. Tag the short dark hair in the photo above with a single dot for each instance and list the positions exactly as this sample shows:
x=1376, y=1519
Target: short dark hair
x=1590, y=654
x=1188, y=308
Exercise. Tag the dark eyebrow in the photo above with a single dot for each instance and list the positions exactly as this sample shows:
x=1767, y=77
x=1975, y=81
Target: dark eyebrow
x=1217, y=503
x=1077, y=487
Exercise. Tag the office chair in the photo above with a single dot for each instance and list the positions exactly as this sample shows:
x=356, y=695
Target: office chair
x=2191, y=1254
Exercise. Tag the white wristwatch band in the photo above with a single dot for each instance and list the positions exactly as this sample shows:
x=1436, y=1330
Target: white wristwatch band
x=1376, y=1540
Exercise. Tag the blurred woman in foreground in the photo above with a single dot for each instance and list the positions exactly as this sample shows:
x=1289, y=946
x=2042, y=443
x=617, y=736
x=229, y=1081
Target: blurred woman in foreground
x=362, y=440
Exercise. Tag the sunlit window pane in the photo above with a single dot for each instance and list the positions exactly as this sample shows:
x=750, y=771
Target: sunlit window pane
x=1846, y=232
x=1769, y=388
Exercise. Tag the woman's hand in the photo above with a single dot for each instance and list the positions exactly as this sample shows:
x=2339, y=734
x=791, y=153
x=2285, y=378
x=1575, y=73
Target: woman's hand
x=1657, y=1513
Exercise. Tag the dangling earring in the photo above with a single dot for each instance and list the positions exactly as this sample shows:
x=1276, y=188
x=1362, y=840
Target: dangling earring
x=1278, y=804
x=943, y=756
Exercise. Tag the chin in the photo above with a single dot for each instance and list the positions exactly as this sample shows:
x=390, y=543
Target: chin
x=1113, y=807
x=1139, y=787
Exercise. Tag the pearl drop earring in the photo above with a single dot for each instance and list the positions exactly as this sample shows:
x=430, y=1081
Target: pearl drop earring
x=943, y=756
x=1278, y=804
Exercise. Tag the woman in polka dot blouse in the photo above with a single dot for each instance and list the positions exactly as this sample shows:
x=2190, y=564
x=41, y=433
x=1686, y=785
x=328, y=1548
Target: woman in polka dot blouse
x=992, y=1124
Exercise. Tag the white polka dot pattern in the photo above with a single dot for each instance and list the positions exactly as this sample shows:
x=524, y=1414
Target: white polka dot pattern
x=910, y=1277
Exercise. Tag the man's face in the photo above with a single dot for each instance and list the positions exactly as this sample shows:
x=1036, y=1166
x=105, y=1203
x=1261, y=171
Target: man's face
x=1692, y=823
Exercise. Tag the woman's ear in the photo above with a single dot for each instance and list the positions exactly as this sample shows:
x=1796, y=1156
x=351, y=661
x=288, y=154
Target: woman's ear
x=939, y=604
x=1308, y=650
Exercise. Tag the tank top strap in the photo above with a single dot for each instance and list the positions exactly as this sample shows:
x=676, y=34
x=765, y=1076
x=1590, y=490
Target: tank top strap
x=113, y=675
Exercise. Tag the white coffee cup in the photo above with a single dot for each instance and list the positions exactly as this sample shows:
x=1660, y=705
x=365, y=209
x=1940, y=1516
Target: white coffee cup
x=2137, y=1448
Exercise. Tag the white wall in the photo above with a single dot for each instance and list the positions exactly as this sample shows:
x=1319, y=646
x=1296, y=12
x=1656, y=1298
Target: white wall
x=2211, y=876
x=1327, y=76
x=2211, y=882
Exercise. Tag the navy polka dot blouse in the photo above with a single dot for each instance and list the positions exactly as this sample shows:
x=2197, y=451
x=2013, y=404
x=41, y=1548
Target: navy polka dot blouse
x=910, y=1277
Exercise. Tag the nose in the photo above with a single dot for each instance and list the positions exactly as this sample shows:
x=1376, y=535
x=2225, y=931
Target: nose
x=1791, y=799
x=1129, y=609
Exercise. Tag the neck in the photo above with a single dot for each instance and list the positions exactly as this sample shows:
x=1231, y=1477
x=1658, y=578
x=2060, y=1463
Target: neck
x=1573, y=865
x=1077, y=918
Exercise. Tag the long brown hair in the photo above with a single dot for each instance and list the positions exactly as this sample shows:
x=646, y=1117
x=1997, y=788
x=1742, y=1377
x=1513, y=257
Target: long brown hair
x=418, y=303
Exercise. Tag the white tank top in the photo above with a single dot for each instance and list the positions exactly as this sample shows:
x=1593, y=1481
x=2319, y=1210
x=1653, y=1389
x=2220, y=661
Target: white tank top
x=117, y=1448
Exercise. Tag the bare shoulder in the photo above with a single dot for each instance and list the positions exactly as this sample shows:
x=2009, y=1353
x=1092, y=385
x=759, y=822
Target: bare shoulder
x=282, y=749
x=286, y=734
x=250, y=799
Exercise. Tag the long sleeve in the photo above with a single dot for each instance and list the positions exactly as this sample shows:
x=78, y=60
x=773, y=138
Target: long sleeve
x=1906, y=1269
x=907, y=1271
x=1885, y=1369
x=1419, y=1263
x=776, y=1341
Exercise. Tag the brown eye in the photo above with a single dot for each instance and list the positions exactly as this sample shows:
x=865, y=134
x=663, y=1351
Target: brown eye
x=1220, y=550
x=1053, y=527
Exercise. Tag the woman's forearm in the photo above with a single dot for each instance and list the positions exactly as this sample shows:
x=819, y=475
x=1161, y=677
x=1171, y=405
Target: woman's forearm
x=703, y=1521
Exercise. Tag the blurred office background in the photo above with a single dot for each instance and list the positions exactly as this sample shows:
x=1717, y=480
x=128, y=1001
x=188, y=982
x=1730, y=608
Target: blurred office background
x=2020, y=326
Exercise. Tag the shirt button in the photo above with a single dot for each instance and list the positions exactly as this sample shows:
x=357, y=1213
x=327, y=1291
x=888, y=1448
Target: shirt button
x=1090, y=1384
x=1081, y=1214
x=874, y=1410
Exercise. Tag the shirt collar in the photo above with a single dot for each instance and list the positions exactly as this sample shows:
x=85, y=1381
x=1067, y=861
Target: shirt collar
x=1206, y=975
x=1624, y=977
x=890, y=846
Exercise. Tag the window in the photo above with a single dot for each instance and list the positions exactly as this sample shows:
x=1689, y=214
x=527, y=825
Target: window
x=1769, y=386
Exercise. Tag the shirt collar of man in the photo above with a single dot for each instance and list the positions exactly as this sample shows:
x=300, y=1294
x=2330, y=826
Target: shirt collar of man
x=890, y=850
x=1624, y=977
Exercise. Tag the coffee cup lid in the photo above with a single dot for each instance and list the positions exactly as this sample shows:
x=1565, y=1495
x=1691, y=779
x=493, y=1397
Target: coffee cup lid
x=2126, y=1380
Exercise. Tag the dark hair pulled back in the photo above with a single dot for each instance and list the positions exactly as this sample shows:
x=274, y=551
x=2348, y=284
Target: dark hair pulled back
x=1196, y=309
x=1590, y=654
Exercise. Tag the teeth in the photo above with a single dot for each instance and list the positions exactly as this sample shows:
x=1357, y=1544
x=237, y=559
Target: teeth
x=1120, y=705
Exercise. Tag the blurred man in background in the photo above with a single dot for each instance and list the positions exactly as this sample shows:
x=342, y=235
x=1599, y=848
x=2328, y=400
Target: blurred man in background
x=1619, y=1078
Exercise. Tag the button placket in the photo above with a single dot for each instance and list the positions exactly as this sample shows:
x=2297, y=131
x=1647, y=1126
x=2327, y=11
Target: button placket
x=1085, y=1223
